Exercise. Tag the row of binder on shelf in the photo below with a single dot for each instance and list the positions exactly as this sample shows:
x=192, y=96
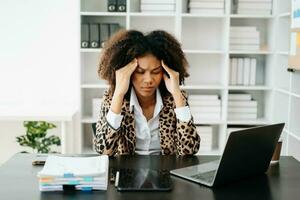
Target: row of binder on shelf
x=242, y=71
x=257, y=7
x=74, y=173
x=116, y=5
x=206, y=7
x=94, y=35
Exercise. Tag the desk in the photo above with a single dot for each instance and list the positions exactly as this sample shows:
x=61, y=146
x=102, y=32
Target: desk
x=18, y=181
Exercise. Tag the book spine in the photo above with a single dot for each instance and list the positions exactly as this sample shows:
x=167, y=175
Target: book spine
x=245, y=47
x=206, y=11
x=242, y=103
x=239, y=97
x=246, y=78
x=240, y=71
x=158, y=2
x=206, y=5
x=234, y=71
x=252, y=71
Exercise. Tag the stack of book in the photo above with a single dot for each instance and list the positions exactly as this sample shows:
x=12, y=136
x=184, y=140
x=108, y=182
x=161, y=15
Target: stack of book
x=74, y=173
x=161, y=6
x=254, y=7
x=241, y=107
x=210, y=7
x=96, y=107
x=244, y=38
x=206, y=135
x=205, y=107
x=242, y=71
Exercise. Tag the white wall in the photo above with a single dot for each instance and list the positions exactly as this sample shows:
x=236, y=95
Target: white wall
x=39, y=58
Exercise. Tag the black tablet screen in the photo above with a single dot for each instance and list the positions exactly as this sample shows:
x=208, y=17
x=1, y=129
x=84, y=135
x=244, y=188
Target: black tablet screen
x=144, y=180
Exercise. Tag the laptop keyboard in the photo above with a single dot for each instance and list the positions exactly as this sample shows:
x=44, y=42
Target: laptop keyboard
x=206, y=176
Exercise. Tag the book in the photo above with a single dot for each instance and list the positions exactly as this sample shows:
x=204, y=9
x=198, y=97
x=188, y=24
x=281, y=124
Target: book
x=254, y=12
x=244, y=34
x=240, y=71
x=203, y=97
x=243, y=28
x=206, y=11
x=242, y=41
x=242, y=116
x=158, y=2
x=160, y=7
x=246, y=78
x=251, y=103
x=245, y=47
x=242, y=109
x=206, y=5
x=252, y=71
x=233, y=73
x=239, y=97
x=256, y=5
x=205, y=103
x=208, y=109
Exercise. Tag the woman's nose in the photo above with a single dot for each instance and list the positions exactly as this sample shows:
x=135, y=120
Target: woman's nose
x=147, y=78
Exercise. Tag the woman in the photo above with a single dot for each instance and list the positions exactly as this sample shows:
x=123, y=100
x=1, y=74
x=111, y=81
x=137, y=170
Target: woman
x=144, y=111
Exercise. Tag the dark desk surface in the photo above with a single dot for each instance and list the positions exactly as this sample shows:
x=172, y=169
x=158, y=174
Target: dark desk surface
x=18, y=181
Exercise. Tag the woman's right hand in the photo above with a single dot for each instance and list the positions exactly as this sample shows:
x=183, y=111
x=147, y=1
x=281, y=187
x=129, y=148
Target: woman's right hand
x=123, y=77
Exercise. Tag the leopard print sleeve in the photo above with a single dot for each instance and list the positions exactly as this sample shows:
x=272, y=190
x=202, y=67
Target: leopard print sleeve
x=106, y=137
x=188, y=140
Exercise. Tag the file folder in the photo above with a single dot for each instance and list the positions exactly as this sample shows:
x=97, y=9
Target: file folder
x=111, y=5
x=94, y=33
x=104, y=33
x=85, y=36
x=121, y=5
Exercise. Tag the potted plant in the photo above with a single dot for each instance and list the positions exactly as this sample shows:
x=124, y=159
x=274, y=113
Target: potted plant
x=36, y=136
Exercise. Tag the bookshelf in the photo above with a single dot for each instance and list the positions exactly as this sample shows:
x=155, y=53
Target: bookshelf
x=205, y=41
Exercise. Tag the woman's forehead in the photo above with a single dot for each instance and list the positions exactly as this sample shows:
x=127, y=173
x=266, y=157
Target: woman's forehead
x=148, y=62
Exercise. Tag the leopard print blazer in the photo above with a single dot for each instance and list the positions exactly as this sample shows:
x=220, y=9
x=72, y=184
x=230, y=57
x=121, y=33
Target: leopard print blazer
x=176, y=137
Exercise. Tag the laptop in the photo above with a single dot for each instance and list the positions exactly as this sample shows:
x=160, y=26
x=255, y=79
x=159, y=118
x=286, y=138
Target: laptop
x=247, y=153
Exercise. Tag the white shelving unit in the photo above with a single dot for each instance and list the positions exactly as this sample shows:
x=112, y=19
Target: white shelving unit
x=205, y=41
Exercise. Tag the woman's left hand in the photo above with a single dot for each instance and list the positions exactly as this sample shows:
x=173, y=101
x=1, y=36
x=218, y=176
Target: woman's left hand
x=172, y=83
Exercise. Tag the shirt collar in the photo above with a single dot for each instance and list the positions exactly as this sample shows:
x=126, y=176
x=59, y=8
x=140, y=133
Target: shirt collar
x=135, y=103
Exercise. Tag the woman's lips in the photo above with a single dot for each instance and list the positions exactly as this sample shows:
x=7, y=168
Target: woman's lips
x=147, y=88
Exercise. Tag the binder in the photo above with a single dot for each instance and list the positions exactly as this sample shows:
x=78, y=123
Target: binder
x=113, y=28
x=85, y=36
x=94, y=33
x=121, y=5
x=104, y=33
x=111, y=5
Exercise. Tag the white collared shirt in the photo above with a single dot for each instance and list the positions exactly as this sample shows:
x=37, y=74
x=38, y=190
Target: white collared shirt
x=147, y=132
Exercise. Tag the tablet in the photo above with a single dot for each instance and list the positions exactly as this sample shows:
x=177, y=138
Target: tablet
x=143, y=180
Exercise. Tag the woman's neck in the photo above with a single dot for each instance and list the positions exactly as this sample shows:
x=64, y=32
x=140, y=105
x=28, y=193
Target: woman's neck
x=146, y=102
